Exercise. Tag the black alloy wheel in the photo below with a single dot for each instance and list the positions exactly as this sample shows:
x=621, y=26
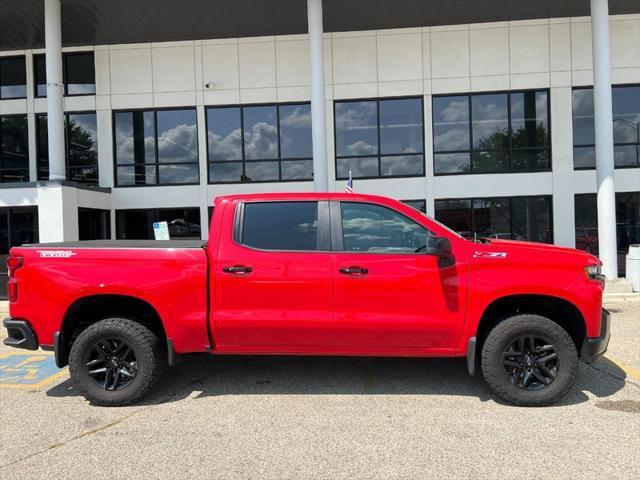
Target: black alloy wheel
x=111, y=364
x=531, y=362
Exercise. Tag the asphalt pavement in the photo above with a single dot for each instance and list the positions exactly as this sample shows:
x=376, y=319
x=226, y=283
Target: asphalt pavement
x=315, y=418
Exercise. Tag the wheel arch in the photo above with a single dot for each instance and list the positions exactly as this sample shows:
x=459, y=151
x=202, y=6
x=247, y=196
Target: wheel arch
x=559, y=310
x=86, y=311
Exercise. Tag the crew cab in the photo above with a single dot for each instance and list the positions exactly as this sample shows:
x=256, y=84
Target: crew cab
x=310, y=274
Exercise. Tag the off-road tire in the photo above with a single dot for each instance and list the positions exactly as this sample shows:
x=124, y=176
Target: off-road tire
x=503, y=335
x=150, y=359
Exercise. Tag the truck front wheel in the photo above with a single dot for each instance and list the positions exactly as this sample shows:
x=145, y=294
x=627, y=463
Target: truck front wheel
x=529, y=360
x=115, y=361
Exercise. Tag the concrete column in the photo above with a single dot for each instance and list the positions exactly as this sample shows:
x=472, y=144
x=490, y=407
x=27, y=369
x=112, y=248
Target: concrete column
x=603, y=119
x=318, y=114
x=55, y=112
x=57, y=213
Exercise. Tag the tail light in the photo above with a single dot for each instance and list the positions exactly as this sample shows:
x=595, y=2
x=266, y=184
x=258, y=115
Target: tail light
x=13, y=264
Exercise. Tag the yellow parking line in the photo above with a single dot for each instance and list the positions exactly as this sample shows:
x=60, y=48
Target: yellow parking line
x=630, y=371
x=35, y=386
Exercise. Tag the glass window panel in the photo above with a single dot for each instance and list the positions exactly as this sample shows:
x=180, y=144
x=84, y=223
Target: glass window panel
x=182, y=223
x=178, y=174
x=82, y=138
x=529, y=160
x=177, y=136
x=456, y=214
x=584, y=157
x=628, y=221
x=490, y=121
x=359, y=167
x=137, y=175
x=586, y=223
x=94, y=224
x=401, y=126
x=281, y=225
x=487, y=162
x=135, y=224
x=529, y=120
x=297, y=169
x=42, y=144
x=14, y=150
x=135, y=137
x=24, y=226
x=370, y=228
x=626, y=114
x=356, y=128
x=531, y=219
x=225, y=172
x=627, y=155
x=420, y=205
x=261, y=171
x=80, y=74
x=450, y=123
x=224, y=134
x=40, y=75
x=402, y=165
x=260, y=133
x=13, y=77
x=452, y=162
x=582, y=106
x=295, y=131
x=491, y=217
x=87, y=174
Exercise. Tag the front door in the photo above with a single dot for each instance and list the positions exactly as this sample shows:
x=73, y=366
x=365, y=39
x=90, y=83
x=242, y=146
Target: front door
x=273, y=280
x=388, y=291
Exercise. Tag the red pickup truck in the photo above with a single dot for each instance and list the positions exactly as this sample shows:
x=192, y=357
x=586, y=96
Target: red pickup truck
x=310, y=274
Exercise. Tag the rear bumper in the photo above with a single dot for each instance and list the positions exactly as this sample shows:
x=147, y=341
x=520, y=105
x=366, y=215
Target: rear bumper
x=596, y=347
x=20, y=334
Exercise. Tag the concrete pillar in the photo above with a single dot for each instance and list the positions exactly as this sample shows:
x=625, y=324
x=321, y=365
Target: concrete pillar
x=57, y=213
x=318, y=114
x=603, y=119
x=55, y=89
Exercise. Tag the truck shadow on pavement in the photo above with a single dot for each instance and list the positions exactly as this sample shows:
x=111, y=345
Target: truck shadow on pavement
x=199, y=376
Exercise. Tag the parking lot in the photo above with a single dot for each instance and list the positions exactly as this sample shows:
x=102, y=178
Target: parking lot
x=283, y=417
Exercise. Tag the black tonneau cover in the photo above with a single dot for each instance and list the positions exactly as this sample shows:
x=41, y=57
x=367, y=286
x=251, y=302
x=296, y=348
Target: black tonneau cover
x=121, y=244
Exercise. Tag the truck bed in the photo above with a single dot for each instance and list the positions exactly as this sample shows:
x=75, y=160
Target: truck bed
x=97, y=244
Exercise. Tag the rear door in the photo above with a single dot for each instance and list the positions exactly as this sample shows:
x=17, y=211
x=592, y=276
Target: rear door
x=273, y=278
x=388, y=292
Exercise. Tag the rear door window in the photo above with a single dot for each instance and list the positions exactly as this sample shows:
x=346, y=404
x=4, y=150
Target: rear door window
x=283, y=226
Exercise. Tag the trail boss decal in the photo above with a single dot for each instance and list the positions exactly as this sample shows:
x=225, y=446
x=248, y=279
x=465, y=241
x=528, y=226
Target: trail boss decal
x=56, y=253
x=477, y=254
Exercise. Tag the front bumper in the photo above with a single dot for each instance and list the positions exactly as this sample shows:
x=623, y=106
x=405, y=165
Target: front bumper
x=593, y=348
x=20, y=334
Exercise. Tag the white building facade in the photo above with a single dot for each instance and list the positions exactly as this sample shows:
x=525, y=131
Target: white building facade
x=488, y=127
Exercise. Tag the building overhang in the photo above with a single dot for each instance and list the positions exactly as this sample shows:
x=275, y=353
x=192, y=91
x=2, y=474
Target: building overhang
x=100, y=22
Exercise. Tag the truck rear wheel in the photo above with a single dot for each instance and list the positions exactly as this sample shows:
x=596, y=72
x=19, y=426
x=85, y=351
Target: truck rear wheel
x=116, y=361
x=529, y=360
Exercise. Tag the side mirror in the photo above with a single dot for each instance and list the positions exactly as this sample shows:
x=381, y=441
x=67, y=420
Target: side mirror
x=441, y=248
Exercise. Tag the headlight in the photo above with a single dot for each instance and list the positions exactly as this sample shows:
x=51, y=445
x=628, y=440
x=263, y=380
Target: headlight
x=594, y=272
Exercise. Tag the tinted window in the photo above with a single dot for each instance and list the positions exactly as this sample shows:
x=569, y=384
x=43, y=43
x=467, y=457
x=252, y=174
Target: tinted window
x=17, y=226
x=517, y=218
x=370, y=228
x=626, y=127
x=379, y=138
x=259, y=143
x=281, y=225
x=80, y=73
x=497, y=132
x=156, y=147
x=81, y=147
x=420, y=205
x=137, y=224
x=94, y=224
x=14, y=149
x=13, y=77
x=40, y=75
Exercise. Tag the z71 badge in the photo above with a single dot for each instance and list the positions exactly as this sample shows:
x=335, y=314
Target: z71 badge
x=477, y=254
x=56, y=253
